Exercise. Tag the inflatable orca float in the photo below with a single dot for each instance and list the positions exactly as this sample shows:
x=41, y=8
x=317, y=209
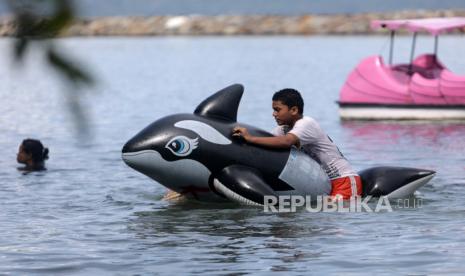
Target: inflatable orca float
x=196, y=155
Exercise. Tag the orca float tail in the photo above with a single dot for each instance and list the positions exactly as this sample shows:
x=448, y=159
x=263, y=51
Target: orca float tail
x=394, y=182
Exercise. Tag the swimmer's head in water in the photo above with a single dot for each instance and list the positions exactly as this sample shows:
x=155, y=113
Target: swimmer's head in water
x=32, y=153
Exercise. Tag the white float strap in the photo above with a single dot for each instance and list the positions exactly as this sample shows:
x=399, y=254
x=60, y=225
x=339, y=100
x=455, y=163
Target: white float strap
x=353, y=185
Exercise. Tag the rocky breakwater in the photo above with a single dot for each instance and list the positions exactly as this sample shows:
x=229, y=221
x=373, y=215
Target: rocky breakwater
x=231, y=24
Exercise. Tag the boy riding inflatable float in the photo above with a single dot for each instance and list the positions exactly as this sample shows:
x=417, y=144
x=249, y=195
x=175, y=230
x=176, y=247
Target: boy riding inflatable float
x=196, y=156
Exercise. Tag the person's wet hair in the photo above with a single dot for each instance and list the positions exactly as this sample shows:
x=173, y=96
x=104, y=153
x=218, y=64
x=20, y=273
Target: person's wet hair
x=34, y=147
x=290, y=97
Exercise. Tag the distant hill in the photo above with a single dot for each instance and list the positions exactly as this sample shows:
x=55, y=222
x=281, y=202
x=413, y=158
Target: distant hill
x=91, y=8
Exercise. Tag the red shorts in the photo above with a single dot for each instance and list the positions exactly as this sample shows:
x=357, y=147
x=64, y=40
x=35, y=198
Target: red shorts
x=346, y=186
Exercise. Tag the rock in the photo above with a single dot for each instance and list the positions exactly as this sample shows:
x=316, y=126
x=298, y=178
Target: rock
x=232, y=24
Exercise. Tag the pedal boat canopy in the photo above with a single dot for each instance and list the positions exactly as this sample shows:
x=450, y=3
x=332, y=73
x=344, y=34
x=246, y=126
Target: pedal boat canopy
x=422, y=89
x=434, y=26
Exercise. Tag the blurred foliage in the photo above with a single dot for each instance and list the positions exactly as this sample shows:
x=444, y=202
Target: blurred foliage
x=37, y=23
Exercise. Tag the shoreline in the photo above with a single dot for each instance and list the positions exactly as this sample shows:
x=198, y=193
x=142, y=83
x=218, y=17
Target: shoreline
x=230, y=25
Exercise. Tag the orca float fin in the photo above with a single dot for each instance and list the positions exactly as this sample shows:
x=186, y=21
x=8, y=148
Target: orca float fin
x=243, y=185
x=393, y=182
x=223, y=104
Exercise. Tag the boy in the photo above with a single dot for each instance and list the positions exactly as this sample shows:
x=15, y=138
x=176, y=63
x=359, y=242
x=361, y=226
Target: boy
x=303, y=132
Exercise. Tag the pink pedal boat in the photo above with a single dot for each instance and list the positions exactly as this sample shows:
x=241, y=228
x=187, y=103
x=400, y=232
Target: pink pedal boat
x=422, y=89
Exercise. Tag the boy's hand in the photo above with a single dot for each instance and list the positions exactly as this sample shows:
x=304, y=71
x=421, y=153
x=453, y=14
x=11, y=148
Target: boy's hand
x=241, y=132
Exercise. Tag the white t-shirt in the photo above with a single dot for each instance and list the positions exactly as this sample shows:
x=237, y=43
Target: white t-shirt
x=318, y=145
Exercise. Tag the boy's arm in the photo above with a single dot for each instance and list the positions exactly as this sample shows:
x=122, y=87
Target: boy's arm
x=282, y=142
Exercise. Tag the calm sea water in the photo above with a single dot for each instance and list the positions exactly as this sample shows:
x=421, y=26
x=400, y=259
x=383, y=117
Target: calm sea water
x=89, y=213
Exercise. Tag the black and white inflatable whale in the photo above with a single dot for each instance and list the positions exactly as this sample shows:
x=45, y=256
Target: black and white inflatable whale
x=195, y=155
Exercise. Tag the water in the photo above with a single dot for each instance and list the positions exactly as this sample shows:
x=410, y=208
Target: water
x=89, y=213
x=282, y=7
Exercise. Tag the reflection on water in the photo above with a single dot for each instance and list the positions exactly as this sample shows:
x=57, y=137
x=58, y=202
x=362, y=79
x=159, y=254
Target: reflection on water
x=228, y=220
x=229, y=234
x=422, y=133
x=395, y=143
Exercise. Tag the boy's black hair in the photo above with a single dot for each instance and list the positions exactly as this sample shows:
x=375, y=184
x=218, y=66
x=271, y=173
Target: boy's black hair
x=36, y=149
x=290, y=97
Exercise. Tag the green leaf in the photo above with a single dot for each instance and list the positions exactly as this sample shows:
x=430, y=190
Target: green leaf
x=66, y=67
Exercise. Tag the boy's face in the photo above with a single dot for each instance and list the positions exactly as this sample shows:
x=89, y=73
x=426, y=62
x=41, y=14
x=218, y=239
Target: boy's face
x=283, y=114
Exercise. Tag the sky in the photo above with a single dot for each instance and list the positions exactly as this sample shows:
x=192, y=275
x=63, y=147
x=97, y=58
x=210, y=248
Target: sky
x=90, y=8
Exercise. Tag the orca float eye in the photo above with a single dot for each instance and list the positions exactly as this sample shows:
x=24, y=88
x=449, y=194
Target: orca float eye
x=182, y=145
